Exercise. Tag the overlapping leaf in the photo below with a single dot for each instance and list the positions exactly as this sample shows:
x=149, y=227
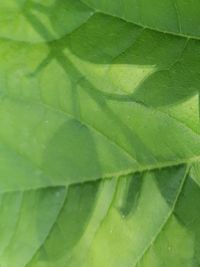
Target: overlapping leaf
x=99, y=134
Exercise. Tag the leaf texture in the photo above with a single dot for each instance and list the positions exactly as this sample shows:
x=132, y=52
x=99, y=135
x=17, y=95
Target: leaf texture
x=99, y=133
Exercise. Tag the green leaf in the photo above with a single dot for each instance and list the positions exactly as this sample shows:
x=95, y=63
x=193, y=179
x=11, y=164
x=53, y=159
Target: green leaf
x=179, y=17
x=99, y=133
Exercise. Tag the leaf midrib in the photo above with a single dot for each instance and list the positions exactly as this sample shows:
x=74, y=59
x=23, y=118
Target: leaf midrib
x=140, y=168
x=181, y=35
x=154, y=237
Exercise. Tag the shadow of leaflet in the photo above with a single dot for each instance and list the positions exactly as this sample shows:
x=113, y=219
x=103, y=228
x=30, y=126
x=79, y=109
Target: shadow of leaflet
x=187, y=213
x=71, y=223
x=63, y=153
x=100, y=98
x=71, y=154
x=130, y=188
x=56, y=52
x=174, y=60
x=72, y=149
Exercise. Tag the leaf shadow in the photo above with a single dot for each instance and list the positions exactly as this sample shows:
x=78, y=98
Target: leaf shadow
x=56, y=53
x=71, y=223
x=174, y=76
x=187, y=203
x=130, y=187
x=176, y=85
x=187, y=213
x=60, y=152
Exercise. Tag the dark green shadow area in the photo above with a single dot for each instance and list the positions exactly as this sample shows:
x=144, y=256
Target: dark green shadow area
x=72, y=153
x=176, y=60
x=103, y=39
x=187, y=212
x=57, y=53
x=129, y=190
x=169, y=181
x=71, y=223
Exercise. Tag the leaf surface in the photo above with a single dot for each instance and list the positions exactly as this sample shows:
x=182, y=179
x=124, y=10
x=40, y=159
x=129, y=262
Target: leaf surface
x=99, y=133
